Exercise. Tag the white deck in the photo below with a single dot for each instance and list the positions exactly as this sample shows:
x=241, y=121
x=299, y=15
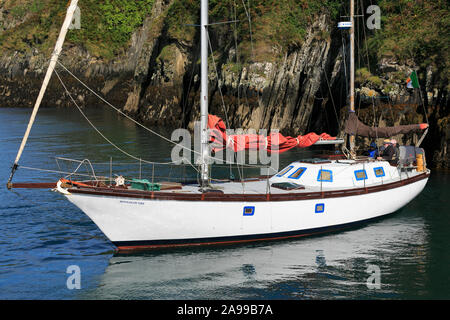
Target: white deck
x=343, y=178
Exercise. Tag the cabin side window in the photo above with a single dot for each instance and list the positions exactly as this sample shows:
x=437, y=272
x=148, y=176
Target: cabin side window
x=360, y=175
x=379, y=172
x=325, y=175
x=297, y=173
x=320, y=207
x=284, y=171
x=249, y=211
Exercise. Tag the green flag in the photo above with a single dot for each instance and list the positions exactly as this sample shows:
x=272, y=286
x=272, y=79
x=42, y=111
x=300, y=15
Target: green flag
x=412, y=81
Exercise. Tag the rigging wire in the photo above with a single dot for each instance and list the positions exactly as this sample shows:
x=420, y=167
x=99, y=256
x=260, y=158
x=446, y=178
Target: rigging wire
x=247, y=12
x=358, y=52
x=412, y=57
x=104, y=178
x=219, y=82
x=141, y=125
x=237, y=53
x=357, y=36
x=376, y=127
x=58, y=171
x=186, y=98
x=369, y=69
x=332, y=102
x=98, y=131
x=119, y=111
x=346, y=76
x=365, y=37
x=219, y=86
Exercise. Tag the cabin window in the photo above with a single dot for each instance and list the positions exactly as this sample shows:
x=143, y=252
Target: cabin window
x=297, y=173
x=249, y=211
x=287, y=186
x=325, y=175
x=379, y=172
x=284, y=171
x=320, y=207
x=360, y=175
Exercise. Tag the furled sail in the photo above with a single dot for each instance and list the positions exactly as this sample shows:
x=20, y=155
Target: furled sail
x=355, y=127
x=274, y=142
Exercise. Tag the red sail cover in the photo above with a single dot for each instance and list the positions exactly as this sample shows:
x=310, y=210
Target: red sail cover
x=275, y=142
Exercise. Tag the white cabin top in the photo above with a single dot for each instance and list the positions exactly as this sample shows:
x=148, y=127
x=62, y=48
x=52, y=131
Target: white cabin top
x=332, y=174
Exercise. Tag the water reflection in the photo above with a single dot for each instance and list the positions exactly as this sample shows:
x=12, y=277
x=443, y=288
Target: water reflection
x=248, y=270
x=41, y=234
x=332, y=266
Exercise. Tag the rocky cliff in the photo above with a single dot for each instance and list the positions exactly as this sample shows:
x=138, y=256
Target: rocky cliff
x=295, y=83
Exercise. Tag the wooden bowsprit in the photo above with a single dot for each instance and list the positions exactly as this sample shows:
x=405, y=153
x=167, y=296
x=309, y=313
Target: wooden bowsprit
x=32, y=185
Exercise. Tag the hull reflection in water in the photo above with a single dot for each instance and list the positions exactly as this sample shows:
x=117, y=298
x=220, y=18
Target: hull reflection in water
x=333, y=266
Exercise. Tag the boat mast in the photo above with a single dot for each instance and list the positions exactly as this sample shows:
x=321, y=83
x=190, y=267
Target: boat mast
x=352, y=68
x=48, y=75
x=204, y=171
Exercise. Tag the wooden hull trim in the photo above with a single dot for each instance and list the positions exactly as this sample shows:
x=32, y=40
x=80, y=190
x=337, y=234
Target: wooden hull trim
x=101, y=191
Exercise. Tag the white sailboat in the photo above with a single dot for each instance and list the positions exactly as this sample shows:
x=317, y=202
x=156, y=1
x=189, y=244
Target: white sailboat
x=305, y=198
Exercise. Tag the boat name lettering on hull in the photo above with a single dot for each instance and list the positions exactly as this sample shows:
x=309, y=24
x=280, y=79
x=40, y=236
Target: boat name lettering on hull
x=132, y=202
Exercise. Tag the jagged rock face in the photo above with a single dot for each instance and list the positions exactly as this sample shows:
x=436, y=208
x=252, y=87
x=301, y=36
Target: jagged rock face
x=270, y=94
x=21, y=78
x=157, y=81
x=281, y=95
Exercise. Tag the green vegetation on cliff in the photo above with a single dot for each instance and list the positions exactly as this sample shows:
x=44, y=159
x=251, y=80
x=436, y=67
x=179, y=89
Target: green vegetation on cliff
x=262, y=23
x=412, y=30
x=106, y=26
x=29, y=23
x=416, y=31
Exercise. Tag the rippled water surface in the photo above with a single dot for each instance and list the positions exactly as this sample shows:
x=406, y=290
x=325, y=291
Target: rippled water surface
x=41, y=234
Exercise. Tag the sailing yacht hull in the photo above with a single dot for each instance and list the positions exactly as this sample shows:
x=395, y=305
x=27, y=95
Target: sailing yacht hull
x=146, y=223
